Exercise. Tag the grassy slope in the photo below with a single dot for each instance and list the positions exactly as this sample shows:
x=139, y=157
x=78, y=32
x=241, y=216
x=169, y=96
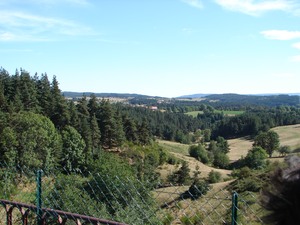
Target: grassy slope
x=181, y=152
x=288, y=135
x=215, y=207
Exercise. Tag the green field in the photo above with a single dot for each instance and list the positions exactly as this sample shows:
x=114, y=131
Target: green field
x=226, y=112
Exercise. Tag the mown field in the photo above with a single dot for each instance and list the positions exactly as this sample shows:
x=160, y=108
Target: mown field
x=225, y=112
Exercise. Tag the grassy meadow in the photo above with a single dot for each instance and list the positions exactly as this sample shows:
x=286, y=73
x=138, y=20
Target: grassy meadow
x=225, y=112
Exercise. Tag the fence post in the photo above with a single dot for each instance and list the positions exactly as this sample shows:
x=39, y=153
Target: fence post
x=39, y=197
x=234, y=208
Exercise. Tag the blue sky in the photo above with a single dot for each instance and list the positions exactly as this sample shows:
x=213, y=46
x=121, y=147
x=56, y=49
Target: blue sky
x=155, y=47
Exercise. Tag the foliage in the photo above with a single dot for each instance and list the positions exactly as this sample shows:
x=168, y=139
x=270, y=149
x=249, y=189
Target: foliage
x=249, y=180
x=267, y=140
x=199, y=152
x=197, y=189
x=256, y=158
x=30, y=140
x=181, y=176
x=284, y=150
x=221, y=160
x=214, y=177
x=73, y=146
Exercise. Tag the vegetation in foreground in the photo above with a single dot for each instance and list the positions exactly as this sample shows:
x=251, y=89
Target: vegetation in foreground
x=41, y=129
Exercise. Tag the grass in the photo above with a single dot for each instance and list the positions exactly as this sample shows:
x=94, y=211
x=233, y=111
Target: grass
x=175, y=147
x=289, y=135
x=225, y=112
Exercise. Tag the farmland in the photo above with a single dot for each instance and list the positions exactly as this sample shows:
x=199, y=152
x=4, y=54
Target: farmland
x=225, y=112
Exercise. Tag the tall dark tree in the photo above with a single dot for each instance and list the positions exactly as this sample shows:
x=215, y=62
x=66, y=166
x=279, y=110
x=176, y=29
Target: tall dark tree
x=28, y=92
x=44, y=94
x=107, y=125
x=130, y=129
x=59, y=113
x=93, y=105
x=144, y=132
x=84, y=126
x=95, y=137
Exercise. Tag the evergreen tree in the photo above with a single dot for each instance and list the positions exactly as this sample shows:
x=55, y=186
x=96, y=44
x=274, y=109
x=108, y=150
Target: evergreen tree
x=28, y=92
x=95, y=136
x=84, y=126
x=130, y=129
x=59, y=113
x=144, y=133
x=44, y=95
x=108, y=125
x=93, y=105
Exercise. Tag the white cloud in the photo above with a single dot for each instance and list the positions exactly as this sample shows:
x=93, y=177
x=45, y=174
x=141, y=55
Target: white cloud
x=195, y=3
x=17, y=26
x=256, y=8
x=296, y=45
x=281, y=34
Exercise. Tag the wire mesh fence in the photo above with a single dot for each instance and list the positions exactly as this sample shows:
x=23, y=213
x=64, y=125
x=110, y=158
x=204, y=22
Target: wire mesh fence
x=123, y=200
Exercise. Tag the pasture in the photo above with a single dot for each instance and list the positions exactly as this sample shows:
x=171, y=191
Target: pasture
x=225, y=112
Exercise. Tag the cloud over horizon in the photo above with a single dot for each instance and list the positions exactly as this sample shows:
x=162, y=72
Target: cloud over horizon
x=282, y=35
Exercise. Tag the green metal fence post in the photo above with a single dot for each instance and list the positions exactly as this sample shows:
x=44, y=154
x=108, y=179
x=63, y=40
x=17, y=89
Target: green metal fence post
x=39, y=197
x=234, y=208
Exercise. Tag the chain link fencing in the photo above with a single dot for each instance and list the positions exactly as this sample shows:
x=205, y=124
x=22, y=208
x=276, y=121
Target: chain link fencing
x=119, y=199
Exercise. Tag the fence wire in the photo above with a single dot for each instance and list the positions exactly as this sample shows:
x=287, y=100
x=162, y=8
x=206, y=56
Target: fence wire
x=123, y=200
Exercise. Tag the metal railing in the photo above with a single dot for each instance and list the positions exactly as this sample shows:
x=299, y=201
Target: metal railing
x=61, y=217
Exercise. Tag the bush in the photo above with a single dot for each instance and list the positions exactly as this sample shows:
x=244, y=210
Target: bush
x=196, y=190
x=199, y=153
x=214, y=177
x=221, y=160
x=256, y=158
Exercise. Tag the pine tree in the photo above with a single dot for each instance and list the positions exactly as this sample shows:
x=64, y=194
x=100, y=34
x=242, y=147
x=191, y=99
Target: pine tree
x=84, y=126
x=28, y=92
x=59, y=113
x=144, y=133
x=130, y=129
x=44, y=94
x=110, y=124
x=95, y=136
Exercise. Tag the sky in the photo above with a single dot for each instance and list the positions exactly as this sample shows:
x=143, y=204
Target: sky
x=162, y=48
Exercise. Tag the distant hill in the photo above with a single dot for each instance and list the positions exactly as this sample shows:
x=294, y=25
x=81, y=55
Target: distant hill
x=266, y=94
x=216, y=100
x=70, y=94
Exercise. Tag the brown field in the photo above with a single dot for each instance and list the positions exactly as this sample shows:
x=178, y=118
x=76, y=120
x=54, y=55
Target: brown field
x=289, y=135
x=239, y=147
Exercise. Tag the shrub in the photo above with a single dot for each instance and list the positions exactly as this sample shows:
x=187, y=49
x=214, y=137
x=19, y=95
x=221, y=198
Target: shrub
x=199, y=153
x=214, y=176
x=196, y=190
